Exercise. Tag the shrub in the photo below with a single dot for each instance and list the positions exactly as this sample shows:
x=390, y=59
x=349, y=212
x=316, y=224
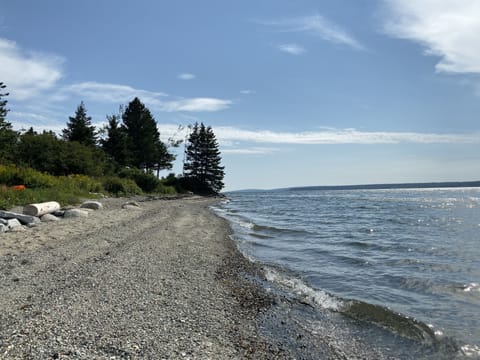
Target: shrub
x=145, y=180
x=118, y=186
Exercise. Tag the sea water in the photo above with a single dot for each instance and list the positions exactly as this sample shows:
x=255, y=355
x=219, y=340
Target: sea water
x=404, y=260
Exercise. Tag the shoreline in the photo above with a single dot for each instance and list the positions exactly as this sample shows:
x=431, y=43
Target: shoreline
x=163, y=281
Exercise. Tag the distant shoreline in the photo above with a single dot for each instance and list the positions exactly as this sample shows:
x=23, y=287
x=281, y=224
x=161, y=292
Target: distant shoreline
x=430, y=185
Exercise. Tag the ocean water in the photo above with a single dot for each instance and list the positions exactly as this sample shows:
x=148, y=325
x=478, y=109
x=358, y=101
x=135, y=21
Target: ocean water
x=405, y=261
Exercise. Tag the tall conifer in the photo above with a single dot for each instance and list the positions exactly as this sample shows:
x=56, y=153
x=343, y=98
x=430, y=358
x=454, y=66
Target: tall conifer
x=202, y=167
x=80, y=128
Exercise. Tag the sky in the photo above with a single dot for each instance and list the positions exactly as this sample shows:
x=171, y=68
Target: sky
x=298, y=93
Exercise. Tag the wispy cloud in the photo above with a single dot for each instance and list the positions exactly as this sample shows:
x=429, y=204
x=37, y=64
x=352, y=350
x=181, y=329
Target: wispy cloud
x=293, y=49
x=250, y=151
x=27, y=73
x=247, y=92
x=448, y=29
x=234, y=136
x=110, y=93
x=341, y=136
x=186, y=76
x=122, y=94
x=316, y=25
x=195, y=104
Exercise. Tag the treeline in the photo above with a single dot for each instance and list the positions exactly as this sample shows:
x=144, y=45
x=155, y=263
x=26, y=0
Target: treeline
x=129, y=146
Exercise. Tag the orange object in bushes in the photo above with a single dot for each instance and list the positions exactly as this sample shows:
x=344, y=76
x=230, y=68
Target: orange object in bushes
x=18, y=187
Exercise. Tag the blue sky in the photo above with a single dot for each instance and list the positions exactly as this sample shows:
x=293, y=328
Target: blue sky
x=298, y=92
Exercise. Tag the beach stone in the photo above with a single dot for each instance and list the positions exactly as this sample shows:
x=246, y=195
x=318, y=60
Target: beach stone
x=20, y=228
x=13, y=223
x=74, y=213
x=90, y=204
x=59, y=213
x=3, y=228
x=131, y=205
x=24, y=219
x=3, y=221
x=49, y=218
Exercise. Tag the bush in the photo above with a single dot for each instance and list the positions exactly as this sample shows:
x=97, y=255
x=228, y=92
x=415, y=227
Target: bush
x=11, y=175
x=118, y=186
x=145, y=180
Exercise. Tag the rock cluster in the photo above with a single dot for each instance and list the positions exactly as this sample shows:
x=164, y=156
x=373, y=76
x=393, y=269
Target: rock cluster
x=45, y=212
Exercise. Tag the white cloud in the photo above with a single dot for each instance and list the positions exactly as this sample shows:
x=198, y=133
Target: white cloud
x=111, y=93
x=186, y=76
x=316, y=25
x=121, y=94
x=340, y=136
x=293, y=49
x=27, y=73
x=196, y=105
x=247, y=92
x=249, y=151
x=447, y=28
x=234, y=136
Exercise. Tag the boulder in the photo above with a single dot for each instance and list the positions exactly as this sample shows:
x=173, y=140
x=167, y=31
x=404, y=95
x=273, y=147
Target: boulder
x=49, y=218
x=13, y=223
x=90, y=204
x=24, y=219
x=74, y=213
x=131, y=205
x=3, y=228
x=41, y=208
x=59, y=213
x=3, y=221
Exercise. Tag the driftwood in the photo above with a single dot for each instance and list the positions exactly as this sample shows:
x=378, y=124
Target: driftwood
x=41, y=209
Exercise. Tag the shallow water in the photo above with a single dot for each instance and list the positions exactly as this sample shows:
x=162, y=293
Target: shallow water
x=405, y=260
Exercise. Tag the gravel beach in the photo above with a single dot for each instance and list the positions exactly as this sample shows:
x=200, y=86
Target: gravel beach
x=162, y=281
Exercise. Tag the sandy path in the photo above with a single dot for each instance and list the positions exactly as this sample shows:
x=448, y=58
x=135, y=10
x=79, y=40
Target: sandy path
x=159, y=282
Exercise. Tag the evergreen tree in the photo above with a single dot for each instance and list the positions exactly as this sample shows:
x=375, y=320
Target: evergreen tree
x=202, y=167
x=8, y=137
x=115, y=144
x=80, y=128
x=145, y=149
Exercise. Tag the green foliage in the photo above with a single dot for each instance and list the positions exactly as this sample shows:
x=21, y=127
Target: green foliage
x=115, y=144
x=202, y=168
x=10, y=175
x=8, y=137
x=119, y=186
x=145, y=149
x=45, y=152
x=145, y=180
x=80, y=129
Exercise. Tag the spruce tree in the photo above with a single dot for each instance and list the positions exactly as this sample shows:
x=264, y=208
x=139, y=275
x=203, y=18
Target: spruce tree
x=145, y=149
x=8, y=137
x=115, y=144
x=202, y=167
x=80, y=128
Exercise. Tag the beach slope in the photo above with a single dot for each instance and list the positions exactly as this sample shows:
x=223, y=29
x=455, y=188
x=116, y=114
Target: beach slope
x=159, y=281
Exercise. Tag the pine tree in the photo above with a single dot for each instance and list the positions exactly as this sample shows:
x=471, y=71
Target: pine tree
x=202, y=167
x=8, y=137
x=145, y=149
x=80, y=128
x=115, y=144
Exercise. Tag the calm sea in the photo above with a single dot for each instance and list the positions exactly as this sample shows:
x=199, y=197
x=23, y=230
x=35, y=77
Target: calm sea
x=404, y=260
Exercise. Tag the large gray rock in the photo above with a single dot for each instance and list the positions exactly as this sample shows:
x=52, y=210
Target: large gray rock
x=3, y=221
x=74, y=213
x=24, y=219
x=90, y=204
x=49, y=218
